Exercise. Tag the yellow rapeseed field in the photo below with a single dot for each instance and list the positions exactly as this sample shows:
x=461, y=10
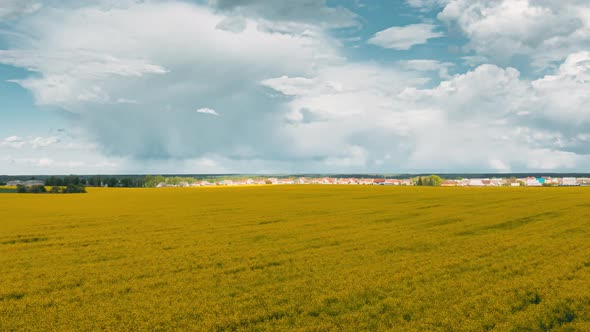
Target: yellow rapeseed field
x=312, y=258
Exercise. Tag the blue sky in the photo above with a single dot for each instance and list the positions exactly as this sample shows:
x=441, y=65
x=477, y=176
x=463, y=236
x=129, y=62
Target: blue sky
x=264, y=86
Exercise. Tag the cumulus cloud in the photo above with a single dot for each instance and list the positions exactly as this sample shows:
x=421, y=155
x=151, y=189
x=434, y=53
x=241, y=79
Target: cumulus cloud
x=486, y=119
x=87, y=60
x=546, y=31
x=403, y=38
x=290, y=99
x=563, y=96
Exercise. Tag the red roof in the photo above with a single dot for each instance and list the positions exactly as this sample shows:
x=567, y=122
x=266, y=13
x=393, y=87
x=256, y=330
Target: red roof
x=379, y=181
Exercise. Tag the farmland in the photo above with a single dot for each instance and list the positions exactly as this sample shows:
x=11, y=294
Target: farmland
x=297, y=257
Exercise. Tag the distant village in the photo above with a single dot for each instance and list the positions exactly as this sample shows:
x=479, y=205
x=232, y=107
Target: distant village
x=432, y=180
x=488, y=182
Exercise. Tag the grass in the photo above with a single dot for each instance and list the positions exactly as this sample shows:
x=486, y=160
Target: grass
x=311, y=258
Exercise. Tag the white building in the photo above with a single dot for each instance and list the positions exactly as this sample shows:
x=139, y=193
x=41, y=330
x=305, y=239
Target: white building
x=569, y=182
x=476, y=183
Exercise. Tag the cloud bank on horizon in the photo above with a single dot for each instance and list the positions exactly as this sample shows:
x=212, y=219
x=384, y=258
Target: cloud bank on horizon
x=294, y=86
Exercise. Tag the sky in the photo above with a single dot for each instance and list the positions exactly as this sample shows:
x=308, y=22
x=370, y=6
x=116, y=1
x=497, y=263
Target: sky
x=299, y=86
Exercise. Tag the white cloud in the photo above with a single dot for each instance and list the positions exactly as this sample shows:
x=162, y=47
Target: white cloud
x=564, y=96
x=207, y=111
x=13, y=142
x=38, y=142
x=233, y=24
x=74, y=76
x=53, y=155
x=14, y=8
x=34, y=142
x=291, y=101
x=546, y=31
x=428, y=65
x=403, y=38
x=89, y=61
x=474, y=60
x=469, y=122
x=314, y=12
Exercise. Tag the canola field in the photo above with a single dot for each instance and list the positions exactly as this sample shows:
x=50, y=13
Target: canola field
x=306, y=258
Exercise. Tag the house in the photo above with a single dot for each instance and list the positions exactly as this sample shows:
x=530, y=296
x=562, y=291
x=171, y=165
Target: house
x=476, y=183
x=183, y=184
x=379, y=182
x=392, y=182
x=343, y=181
x=226, y=183
x=273, y=180
x=515, y=184
x=286, y=181
x=327, y=181
x=498, y=182
x=569, y=182
x=28, y=183
x=301, y=181
x=406, y=182
x=487, y=183
x=532, y=182
x=367, y=181
x=162, y=185
x=449, y=183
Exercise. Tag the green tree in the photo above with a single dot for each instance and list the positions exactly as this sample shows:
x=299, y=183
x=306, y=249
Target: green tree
x=37, y=189
x=112, y=182
x=152, y=181
x=435, y=180
x=51, y=181
x=126, y=182
x=72, y=179
x=74, y=189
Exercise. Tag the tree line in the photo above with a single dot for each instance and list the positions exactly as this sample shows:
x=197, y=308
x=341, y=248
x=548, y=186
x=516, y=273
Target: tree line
x=40, y=189
x=95, y=181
